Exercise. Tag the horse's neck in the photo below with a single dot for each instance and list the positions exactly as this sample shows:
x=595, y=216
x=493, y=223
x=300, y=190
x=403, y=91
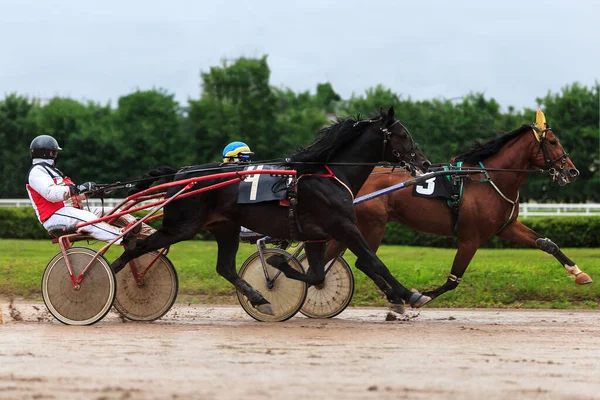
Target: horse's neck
x=366, y=152
x=514, y=155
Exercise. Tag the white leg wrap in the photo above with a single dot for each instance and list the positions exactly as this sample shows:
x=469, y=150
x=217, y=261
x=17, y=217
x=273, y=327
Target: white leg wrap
x=573, y=270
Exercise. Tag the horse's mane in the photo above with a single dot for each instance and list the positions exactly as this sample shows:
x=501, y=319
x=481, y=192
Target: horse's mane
x=331, y=139
x=480, y=151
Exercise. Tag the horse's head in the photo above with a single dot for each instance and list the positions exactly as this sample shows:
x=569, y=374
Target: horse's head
x=550, y=154
x=398, y=144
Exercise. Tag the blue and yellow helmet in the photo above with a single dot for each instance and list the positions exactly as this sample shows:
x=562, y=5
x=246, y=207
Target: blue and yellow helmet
x=237, y=150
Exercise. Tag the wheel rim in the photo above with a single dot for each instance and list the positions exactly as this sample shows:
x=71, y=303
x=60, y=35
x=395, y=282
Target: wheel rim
x=91, y=301
x=286, y=296
x=155, y=297
x=334, y=295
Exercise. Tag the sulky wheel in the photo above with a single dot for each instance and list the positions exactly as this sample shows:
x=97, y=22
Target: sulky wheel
x=285, y=295
x=154, y=295
x=334, y=295
x=89, y=301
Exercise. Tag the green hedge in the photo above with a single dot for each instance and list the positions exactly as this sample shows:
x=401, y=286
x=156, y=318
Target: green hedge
x=21, y=223
x=564, y=231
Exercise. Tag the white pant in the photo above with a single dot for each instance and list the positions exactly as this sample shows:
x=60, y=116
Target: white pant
x=71, y=216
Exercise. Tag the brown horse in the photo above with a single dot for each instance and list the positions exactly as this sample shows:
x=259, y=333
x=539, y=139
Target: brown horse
x=489, y=205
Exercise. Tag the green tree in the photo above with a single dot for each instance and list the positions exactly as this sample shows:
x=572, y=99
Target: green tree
x=574, y=114
x=85, y=133
x=17, y=130
x=237, y=103
x=149, y=128
x=149, y=133
x=326, y=98
x=299, y=117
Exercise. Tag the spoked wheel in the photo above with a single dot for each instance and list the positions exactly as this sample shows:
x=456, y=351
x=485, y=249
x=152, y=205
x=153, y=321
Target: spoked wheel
x=88, y=302
x=334, y=295
x=285, y=295
x=154, y=296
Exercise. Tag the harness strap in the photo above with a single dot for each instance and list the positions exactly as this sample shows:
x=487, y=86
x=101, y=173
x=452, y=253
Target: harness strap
x=49, y=169
x=344, y=185
x=292, y=195
x=456, y=195
x=330, y=174
x=513, y=202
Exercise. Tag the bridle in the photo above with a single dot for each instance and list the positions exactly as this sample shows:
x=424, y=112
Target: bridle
x=554, y=170
x=387, y=134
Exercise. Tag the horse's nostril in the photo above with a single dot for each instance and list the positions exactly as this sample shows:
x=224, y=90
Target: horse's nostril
x=426, y=164
x=573, y=172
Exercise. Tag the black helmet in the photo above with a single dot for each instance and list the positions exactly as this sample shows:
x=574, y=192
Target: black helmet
x=44, y=146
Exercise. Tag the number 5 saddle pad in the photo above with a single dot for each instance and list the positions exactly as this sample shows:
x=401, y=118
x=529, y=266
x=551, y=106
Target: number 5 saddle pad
x=262, y=187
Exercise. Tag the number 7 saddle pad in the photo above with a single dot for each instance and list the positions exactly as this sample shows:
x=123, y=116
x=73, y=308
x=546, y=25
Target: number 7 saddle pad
x=262, y=187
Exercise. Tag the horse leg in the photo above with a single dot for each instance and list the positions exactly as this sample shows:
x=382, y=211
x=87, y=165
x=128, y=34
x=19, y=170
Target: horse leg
x=315, y=252
x=372, y=230
x=228, y=244
x=375, y=269
x=464, y=255
x=160, y=239
x=519, y=233
x=335, y=248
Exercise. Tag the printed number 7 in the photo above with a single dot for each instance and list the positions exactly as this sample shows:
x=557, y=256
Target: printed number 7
x=254, y=180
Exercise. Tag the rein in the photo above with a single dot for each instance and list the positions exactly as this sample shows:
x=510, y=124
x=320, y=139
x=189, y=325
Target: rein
x=111, y=187
x=108, y=188
x=539, y=170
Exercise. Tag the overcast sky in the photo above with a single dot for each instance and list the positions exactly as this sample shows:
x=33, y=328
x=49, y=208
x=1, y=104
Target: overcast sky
x=513, y=51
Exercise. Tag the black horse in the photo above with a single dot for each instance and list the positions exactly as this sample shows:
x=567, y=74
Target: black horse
x=324, y=207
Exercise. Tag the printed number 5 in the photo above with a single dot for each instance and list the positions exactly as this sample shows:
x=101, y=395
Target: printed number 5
x=428, y=188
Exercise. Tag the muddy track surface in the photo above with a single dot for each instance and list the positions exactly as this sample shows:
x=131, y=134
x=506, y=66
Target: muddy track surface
x=218, y=352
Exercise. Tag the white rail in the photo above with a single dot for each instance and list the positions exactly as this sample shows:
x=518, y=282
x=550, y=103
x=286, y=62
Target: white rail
x=27, y=202
x=525, y=210
x=566, y=210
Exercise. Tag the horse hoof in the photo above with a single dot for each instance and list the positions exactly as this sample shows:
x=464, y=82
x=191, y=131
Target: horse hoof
x=418, y=300
x=276, y=259
x=397, y=308
x=265, y=309
x=583, y=279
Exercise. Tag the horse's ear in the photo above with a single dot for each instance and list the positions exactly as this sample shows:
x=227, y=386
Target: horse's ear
x=390, y=114
x=382, y=113
x=540, y=120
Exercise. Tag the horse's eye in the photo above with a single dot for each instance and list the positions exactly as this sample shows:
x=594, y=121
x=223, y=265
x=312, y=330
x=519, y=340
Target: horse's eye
x=552, y=142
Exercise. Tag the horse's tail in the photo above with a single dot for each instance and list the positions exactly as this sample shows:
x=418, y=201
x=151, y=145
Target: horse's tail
x=165, y=172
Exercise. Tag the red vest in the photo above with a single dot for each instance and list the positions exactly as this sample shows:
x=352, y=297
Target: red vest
x=44, y=208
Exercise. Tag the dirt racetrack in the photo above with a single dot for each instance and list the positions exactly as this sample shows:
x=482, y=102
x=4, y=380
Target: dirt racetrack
x=217, y=352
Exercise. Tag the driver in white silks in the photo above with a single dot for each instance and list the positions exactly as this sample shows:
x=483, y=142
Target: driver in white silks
x=57, y=201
